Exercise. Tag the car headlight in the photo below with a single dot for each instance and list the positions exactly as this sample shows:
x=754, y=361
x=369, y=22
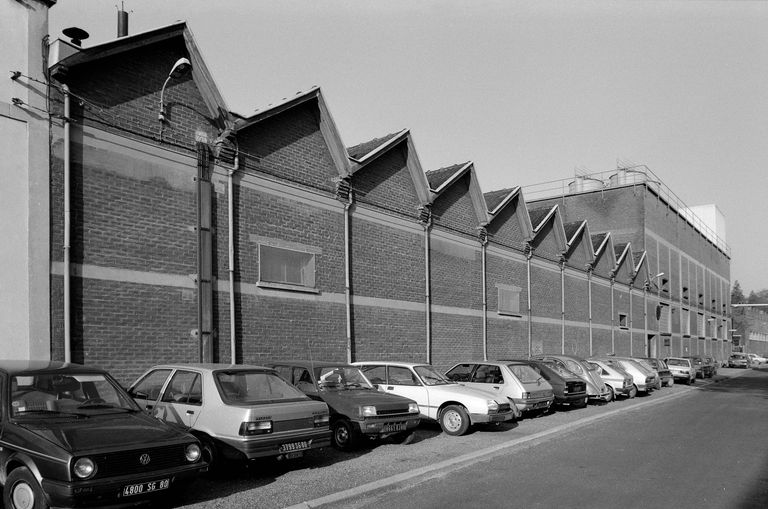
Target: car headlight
x=368, y=411
x=256, y=428
x=192, y=453
x=84, y=468
x=321, y=420
x=413, y=408
x=493, y=406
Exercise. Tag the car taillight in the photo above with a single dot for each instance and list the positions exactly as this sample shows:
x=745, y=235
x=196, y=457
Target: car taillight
x=256, y=428
x=321, y=420
x=526, y=395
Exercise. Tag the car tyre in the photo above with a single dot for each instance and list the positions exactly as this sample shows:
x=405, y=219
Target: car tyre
x=633, y=392
x=611, y=394
x=343, y=435
x=454, y=420
x=22, y=491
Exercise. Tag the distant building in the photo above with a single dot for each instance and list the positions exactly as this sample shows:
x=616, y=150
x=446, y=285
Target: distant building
x=750, y=328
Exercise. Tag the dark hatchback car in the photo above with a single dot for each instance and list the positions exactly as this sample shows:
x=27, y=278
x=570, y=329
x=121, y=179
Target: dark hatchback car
x=70, y=436
x=569, y=389
x=703, y=369
x=357, y=409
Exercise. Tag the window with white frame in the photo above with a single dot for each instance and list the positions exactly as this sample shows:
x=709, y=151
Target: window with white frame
x=509, y=300
x=685, y=322
x=286, y=267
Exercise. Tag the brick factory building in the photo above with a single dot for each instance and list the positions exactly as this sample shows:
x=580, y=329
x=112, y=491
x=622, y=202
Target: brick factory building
x=206, y=235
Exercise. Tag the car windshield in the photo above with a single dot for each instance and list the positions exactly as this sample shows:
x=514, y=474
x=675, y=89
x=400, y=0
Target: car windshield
x=524, y=373
x=644, y=363
x=335, y=378
x=430, y=376
x=677, y=362
x=254, y=386
x=54, y=394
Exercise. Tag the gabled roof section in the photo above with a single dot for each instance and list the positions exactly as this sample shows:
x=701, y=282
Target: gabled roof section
x=541, y=216
x=364, y=153
x=600, y=242
x=639, y=258
x=498, y=201
x=200, y=74
x=368, y=149
x=579, y=230
x=624, y=259
x=443, y=178
x=327, y=125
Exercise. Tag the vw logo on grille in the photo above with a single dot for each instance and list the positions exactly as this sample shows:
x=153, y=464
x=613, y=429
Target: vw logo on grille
x=144, y=459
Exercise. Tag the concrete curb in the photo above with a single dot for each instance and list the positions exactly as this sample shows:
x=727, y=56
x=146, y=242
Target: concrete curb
x=483, y=454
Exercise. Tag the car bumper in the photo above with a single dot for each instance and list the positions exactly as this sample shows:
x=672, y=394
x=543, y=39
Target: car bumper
x=382, y=428
x=603, y=396
x=498, y=417
x=109, y=492
x=269, y=445
x=528, y=405
x=578, y=398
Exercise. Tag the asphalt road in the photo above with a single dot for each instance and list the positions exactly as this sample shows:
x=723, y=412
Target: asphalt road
x=681, y=446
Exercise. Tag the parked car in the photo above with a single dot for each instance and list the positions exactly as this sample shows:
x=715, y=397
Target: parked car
x=712, y=363
x=72, y=436
x=516, y=381
x=358, y=410
x=756, y=360
x=568, y=389
x=616, y=379
x=455, y=406
x=738, y=360
x=682, y=369
x=662, y=369
x=643, y=361
x=239, y=412
x=703, y=370
x=643, y=380
x=596, y=388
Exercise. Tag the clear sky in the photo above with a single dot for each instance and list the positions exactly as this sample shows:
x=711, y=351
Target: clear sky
x=530, y=91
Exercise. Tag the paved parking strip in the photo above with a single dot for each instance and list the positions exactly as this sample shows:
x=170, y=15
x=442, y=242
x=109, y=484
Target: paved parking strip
x=465, y=460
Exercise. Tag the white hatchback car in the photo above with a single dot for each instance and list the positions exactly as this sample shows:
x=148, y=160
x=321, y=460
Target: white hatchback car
x=453, y=405
x=516, y=381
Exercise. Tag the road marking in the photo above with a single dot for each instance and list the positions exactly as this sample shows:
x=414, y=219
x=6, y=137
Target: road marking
x=485, y=454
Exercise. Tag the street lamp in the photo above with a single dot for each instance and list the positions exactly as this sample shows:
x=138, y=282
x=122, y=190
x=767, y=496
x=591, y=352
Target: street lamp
x=179, y=69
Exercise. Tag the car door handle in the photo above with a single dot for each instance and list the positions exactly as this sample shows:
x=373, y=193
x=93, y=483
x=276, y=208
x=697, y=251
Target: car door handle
x=390, y=388
x=190, y=412
x=149, y=407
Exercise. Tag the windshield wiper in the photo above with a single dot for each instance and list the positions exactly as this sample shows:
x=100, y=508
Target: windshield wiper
x=23, y=413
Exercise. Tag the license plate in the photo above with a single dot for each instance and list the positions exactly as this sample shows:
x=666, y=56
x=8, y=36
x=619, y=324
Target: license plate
x=295, y=446
x=293, y=455
x=499, y=417
x=146, y=487
x=397, y=426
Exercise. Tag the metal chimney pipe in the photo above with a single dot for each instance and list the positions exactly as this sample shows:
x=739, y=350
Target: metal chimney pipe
x=122, y=23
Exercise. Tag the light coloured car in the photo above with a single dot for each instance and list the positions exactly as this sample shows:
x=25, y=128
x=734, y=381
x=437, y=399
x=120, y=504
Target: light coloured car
x=455, y=406
x=237, y=411
x=756, y=360
x=682, y=369
x=738, y=360
x=596, y=388
x=646, y=363
x=516, y=381
x=643, y=380
x=618, y=381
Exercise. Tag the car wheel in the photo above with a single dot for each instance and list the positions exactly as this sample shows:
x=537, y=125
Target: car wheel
x=633, y=392
x=611, y=394
x=454, y=420
x=22, y=491
x=343, y=435
x=671, y=382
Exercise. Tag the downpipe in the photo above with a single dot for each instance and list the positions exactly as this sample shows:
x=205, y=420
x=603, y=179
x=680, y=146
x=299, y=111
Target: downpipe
x=67, y=230
x=427, y=295
x=231, y=260
x=347, y=278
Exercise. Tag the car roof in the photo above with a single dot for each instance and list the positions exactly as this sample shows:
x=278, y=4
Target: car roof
x=19, y=366
x=210, y=366
x=308, y=363
x=393, y=363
